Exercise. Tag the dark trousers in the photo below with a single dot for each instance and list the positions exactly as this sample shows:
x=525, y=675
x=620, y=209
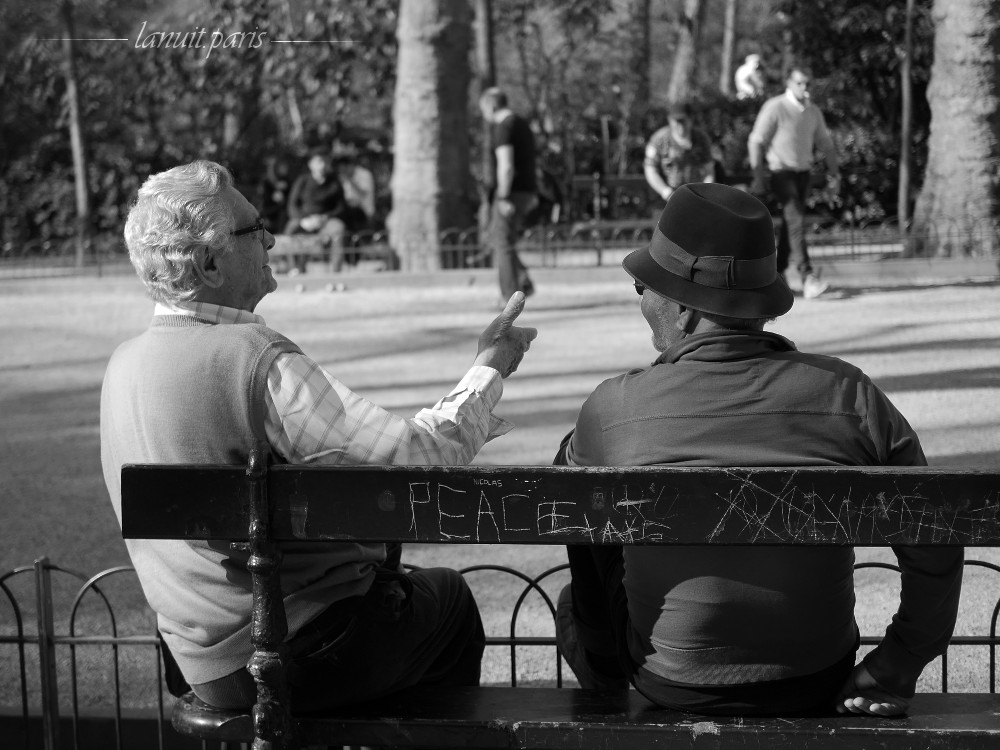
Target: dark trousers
x=790, y=189
x=504, y=233
x=420, y=628
x=600, y=608
x=603, y=627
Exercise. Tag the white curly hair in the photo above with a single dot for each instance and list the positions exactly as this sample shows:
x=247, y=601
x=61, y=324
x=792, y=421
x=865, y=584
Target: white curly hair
x=175, y=212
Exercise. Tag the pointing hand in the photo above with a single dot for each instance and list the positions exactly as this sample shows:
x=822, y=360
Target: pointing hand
x=502, y=345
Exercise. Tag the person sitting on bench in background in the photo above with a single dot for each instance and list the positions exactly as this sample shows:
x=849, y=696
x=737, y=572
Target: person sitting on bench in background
x=317, y=205
x=740, y=630
x=207, y=381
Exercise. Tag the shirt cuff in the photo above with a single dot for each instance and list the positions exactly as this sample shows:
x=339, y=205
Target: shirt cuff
x=498, y=427
x=486, y=381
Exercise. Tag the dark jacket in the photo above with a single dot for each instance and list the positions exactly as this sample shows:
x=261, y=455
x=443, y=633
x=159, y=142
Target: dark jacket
x=731, y=615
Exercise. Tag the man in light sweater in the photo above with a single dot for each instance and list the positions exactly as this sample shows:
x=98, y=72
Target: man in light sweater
x=208, y=380
x=740, y=630
x=788, y=129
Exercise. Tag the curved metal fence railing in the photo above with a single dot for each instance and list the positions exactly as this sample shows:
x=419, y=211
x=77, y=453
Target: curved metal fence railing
x=519, y=611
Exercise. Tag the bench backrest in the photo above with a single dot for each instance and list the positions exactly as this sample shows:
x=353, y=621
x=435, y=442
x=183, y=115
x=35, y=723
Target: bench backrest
x=259, y=506
x=862, y=506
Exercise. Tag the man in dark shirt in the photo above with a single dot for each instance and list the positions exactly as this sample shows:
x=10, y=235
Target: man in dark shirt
x=515, y=193
x=740, y=630
x=316, y=205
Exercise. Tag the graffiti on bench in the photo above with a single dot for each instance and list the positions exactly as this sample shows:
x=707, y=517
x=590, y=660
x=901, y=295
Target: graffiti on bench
x=871, y=506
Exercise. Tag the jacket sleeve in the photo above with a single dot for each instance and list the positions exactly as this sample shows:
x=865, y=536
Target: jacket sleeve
x=764, y=128
x=582, y=445
x=931, y=577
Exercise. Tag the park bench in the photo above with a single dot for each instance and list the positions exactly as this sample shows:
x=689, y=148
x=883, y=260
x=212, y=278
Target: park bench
x=297, y=251
x=261, y=506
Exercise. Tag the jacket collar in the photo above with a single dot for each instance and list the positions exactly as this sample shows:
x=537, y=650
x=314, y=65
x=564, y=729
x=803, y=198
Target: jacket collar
x=720, y=346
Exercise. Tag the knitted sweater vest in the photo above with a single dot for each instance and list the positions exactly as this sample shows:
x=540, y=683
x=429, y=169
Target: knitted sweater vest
x=185, y=391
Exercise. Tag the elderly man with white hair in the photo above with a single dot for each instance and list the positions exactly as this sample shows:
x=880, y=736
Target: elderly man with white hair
x=206, y=381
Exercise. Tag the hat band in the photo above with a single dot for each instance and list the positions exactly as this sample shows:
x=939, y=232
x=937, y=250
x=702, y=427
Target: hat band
x=717, y=271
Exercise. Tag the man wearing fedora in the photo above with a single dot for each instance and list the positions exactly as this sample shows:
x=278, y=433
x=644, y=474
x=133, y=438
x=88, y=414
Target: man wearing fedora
x=740, y=630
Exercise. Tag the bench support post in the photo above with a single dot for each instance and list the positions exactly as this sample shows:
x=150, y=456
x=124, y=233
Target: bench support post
x=272, y=722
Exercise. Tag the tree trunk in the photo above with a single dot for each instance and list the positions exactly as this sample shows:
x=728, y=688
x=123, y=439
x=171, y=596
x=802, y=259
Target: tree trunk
x=431, y=142
x=77, y=144
x=297, y=134
x=634, y=94
x=486, y=64
x=639, y=50
x=728, y=46
x=958, y=211
x=686, y=56
x=906, y=120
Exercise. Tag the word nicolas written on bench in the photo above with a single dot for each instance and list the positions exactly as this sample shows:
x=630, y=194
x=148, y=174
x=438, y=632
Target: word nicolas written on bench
x=730, y=506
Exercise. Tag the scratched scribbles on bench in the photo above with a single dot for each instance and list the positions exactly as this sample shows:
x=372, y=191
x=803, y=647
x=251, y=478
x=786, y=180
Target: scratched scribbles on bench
x=748, y=512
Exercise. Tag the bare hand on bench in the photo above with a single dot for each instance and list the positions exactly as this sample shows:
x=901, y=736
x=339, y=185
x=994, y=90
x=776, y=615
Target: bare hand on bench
x=502, y=345
x=861, y=694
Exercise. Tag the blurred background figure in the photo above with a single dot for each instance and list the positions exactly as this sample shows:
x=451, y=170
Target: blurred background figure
x=749, y=78
x=317, y=205
x=788, y=130
x=677, y=153
x=515, y=192
x=273, y=191
x=358, y=183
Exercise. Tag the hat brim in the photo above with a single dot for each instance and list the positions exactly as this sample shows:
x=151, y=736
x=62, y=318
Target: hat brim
x=764, y=302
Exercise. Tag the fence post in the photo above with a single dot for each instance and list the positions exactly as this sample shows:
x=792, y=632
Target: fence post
x=596, y=197
x=47, y=654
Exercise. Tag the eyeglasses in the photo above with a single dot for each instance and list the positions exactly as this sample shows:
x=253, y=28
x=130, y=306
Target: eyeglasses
x=639, y=288
x=258, y=227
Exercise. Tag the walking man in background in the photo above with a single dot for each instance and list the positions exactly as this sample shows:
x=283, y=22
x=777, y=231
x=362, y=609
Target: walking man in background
x=677, y=153
x=740, y=630
x=788, y=129
x=208, y=380
x=515, y=192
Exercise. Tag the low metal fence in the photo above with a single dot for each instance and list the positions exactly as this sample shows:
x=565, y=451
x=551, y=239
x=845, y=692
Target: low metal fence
x=42, y=655
x=583, y=243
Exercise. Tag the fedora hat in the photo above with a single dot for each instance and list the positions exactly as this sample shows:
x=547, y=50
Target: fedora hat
x=713, y=250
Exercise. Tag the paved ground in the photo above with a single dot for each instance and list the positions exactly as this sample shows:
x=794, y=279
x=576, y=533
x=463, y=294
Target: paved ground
x=934, y=349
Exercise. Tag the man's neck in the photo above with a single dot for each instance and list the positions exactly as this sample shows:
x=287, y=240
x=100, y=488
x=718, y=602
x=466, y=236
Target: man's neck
x=800, y=103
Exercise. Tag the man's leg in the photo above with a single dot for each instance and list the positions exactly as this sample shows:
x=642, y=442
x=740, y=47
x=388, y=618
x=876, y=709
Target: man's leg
x=797, y=224
x=592, y=620
x=332, y=237
x=523, y=203
x=785, y=194
x=417, y=628
x=501, y=238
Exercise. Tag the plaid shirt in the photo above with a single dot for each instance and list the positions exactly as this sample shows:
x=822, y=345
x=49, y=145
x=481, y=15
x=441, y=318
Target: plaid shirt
x=313, y=417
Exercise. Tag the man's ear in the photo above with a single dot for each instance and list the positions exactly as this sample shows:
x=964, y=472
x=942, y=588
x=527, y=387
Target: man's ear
x=687, y=319
x=206, y=268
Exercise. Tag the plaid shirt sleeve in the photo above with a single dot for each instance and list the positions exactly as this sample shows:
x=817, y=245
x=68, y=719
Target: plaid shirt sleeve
x=313, y=417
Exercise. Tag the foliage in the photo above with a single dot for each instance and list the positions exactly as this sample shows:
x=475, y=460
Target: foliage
x=854, y=49
x=565, y=65
x=147, y=108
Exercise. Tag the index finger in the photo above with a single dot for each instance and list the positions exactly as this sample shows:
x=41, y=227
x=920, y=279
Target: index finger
x=528, y=332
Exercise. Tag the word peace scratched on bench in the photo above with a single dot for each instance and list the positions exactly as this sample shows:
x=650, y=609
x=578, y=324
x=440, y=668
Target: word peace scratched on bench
x=747, y=513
